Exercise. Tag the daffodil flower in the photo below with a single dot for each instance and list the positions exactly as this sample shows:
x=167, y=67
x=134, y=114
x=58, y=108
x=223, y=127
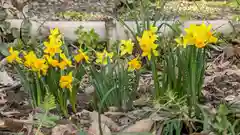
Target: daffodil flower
x=102, y=57
x=134, y=64
x=29, y=59
x=182, y=41
x=65, y=61
x=52, y=47
x=14, y=56
x=81, y=56
x=51, y=61
x=198, y=35
x=147, y=44
x=126, y=47
x=39, y=66
x=66, y=81
x=54, y=32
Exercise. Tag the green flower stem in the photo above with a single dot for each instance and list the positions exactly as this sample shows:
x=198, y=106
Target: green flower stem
x=137, y=79
x=192, y=80
x=158, y=90
x=38, y=88
x=62, y=103
x=73, y=95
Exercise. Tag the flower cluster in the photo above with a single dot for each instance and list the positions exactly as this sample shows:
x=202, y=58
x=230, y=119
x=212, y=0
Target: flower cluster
x=198, y=35
x=35, y=64
x=147, y=43
x=53, y=57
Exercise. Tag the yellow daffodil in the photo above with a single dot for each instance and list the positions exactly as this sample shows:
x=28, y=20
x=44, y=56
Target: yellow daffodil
x=65, y=61
x=14, y=56
x=54, y=32
x=203, y=36
x=81, y=56
x=198, y=35
x=39, y=66
x=102, y=57
x=182, y=41
x=147, y=44
x=66, y=81
x=29, y=59
x=134, y=64
x=62, y=65
x=51, y=61
x=126, y=47
x=53, y=46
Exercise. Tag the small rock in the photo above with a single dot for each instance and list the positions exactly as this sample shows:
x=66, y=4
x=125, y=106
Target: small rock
x=5, y=79
x=94, y=129
x=125, y=121
x=144, y=125
x=89, y=90
x=113, y=109
x=142, y=101
x=228, y=51
x=85, y=122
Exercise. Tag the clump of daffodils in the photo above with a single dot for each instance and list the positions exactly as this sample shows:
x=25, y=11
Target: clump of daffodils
x=198, y=35
x=56, y=70
x=53, y=57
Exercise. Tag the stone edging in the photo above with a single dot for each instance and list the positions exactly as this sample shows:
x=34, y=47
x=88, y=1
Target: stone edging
x=116, y=32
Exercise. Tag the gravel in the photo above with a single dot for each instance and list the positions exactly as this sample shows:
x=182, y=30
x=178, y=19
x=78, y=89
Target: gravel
x=99, y=9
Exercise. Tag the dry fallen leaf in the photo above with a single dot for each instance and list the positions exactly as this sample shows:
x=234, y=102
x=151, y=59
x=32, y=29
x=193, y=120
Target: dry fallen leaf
x=104, y=119
x=2, y=99
x=67, y=129
x=94, y=129
x=9, y=114
x=15, y=125
x=144, y=125
x=35, y=131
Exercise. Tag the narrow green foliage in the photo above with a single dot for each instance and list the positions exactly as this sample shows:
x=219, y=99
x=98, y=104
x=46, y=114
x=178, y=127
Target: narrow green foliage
x=183, y=73
x=222, y=122
x=172, y=127
x=114, y=78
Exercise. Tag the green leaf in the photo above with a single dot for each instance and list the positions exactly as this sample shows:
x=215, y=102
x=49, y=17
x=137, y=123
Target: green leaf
x=3, y=14
x=223, y=110
x=46, y=121
x=49, y=102
x=4, y=49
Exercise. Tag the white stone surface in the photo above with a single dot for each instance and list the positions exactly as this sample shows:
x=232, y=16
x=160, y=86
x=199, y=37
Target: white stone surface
x=118, y=32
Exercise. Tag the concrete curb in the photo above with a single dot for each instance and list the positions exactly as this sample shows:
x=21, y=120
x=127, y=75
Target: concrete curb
x=117, y=32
